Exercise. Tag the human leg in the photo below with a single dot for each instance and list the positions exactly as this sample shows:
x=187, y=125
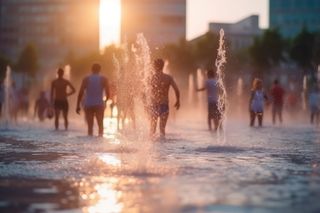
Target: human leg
x=274, y=113
x=89, y=117
x=99, y=112
x=56, y=118
x=65, y=115
x=163, y=123
x=252, y=118
x=209, y=122
x=260, y=118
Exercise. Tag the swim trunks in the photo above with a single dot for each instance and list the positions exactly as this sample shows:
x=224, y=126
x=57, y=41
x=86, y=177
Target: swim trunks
x=61, y=105
x=160, y=109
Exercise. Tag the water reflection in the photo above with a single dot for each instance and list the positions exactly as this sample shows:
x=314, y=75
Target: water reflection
x=105, y=198
x=110, y=159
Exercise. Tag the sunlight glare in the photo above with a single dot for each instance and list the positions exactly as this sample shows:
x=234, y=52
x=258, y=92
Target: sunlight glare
x=110, y=21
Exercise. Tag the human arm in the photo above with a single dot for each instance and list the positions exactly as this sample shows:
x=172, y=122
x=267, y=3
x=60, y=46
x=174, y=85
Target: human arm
x=80, y=95
x=200, y=89
x=73, y=90
x=177, y=93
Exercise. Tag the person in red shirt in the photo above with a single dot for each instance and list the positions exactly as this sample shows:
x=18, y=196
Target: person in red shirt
x=277, y=95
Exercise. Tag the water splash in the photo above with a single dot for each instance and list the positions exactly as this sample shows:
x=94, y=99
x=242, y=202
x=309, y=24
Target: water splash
x=191, y=89
x=143, y=63
x=304, y=92
x=7, y=97
x=220, y=65
x=200, y=95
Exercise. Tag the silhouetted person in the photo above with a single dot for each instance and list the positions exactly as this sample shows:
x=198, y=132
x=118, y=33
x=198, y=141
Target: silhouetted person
x=58, y=97
x=314, y=105
x=256, y=103
x=211, y=86
x=41, y=106
x=277, y=95
x=93, y=86
x=160, y=85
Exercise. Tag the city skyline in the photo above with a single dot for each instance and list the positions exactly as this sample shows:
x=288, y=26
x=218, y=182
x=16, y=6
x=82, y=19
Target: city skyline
x=197, y=22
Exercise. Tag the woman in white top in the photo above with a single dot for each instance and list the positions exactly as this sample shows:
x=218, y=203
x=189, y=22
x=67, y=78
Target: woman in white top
x=256, y=103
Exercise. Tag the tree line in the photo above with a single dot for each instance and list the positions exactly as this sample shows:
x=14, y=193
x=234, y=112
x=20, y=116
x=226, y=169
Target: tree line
x=267, y=51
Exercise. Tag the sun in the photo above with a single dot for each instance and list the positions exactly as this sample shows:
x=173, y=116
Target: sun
x=110, y=22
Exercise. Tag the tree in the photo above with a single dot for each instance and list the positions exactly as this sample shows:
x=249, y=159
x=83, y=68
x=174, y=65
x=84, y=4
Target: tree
x=302, y=47
x=267, y=50
x=316, y=50
x=180, y=57
x=205, y=49
x=28, y=61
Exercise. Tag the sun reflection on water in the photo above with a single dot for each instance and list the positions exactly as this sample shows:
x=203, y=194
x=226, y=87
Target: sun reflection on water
x=110, y=159
x=106, y=198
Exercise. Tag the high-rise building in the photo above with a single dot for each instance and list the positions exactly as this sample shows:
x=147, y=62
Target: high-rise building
x=55, y=27
x=290, y=16
x=161, y=21
x=241, y=34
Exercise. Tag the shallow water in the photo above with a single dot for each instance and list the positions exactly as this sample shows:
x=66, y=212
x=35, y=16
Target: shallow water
x=272, y=169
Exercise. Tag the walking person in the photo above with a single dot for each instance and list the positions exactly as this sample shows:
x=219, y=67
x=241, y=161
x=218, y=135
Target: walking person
x=256, y=103
x=211, y=86
x=159, y=109
x=314, y=106
x=41, y=106
x=58, y=97
x=93, y=87
x=277, y=97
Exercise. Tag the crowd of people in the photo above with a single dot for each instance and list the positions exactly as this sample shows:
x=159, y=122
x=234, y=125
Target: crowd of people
x=95, y=91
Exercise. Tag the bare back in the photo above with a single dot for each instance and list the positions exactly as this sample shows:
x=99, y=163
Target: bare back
x=160, y=88
x=60, y=88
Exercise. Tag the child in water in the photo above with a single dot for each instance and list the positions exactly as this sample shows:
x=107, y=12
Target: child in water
x=211, y=85
x=256, y=103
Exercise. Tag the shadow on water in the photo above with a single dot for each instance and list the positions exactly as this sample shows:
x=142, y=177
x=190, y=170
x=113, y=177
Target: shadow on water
x=222, y=149
x=35, y=195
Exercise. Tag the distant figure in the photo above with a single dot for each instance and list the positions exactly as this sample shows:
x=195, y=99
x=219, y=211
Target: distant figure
x=1, y=97
x=256, y=103
x=41, y=106
x=93, y=86
x=212, y=88
x=160, y=85
x=59, y=95
x=277, y=95
x=314, y=102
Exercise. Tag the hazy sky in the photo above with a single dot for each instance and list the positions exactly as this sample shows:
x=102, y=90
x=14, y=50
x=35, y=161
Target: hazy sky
x=201, y=12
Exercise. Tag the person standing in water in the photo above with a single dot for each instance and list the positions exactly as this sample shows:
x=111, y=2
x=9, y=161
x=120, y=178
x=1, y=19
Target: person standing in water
x=159, y=109
x=277, y=95
x=41, y=106
x=58, y=97
x=256, y=103
x=93, y=86
x=314, y=106
x=211, y=85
